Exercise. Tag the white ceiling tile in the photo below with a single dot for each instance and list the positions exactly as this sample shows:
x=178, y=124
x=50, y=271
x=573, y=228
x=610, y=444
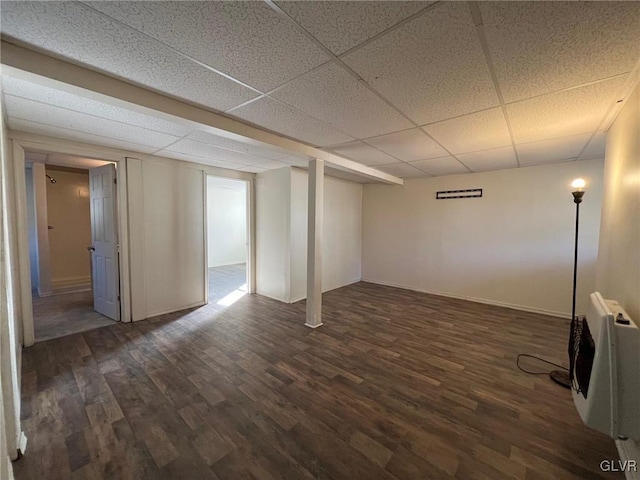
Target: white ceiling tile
x=343, y=25
x=540, y=47
x=76, y=136
x=596, y=147
x=58, y=98
x=363, y=153
x=470, y=133
x=273, y=115
x=273, y=165
x=30, y=110
x=229, y=144
x=253, y=169
x=408, y=145
x=197, y=159
x=551, y=151
x=86, y=36
x=402, y=170
x=296, y=161
x=565, y=113
x=191, y=147
x=246, y=40
x=441, y=166
x=336, y=97
x=432, y=68
x=492, y=159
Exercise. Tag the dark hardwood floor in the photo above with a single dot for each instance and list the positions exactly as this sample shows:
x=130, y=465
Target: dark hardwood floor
x=395, y=385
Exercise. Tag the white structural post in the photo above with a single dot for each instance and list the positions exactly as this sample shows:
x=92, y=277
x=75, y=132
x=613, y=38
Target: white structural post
x=314, y=244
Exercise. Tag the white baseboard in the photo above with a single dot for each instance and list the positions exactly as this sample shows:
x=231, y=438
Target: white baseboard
x=70, y=284
x=513, y=306
x=350, y=282
x=630, y=450
x=171, y=310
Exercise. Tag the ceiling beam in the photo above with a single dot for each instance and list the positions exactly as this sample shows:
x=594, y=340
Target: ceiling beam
x=43, y=69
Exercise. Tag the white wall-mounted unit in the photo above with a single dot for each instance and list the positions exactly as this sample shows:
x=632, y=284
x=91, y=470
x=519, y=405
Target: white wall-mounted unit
x=612, y=402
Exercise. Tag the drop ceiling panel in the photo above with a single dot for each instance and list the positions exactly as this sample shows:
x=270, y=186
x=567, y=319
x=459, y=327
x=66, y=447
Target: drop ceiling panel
x=246, y=40
x=191, y=147
x=432, y=68
x=470, y=133
x=492, y=159
x=24, y=109
x=65, y=134
x=540, y=47
x=82, y=35
x=334, y=96
x=402, y=170
x=197, y=159
x=441, y=166
x=275, y=116
x=596, y=148
x=363, y=153
x=58, y=98
x=343, y=25
x=551, y=151
x=230, y=144
x=296, y=161
x=408, y=145
x=565, y=113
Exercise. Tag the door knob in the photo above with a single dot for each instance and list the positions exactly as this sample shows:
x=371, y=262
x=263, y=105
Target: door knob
x=91, y=249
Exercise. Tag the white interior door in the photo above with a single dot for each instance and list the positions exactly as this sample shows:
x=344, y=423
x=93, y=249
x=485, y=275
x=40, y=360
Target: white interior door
x=104, y=250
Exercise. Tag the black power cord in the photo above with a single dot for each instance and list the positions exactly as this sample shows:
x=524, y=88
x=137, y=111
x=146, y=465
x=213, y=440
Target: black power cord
x=537, y=358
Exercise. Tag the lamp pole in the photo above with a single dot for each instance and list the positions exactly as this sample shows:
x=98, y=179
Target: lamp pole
x=561, y=377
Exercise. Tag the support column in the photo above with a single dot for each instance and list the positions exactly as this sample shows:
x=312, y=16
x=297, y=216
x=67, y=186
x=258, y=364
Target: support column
x=314, y=244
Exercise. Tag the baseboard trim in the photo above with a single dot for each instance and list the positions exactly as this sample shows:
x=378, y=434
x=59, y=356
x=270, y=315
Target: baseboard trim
x=70, y=282
x=313, y=326
x=172, y=310
x=512, y=306
x=629, y=450
x=329, y=290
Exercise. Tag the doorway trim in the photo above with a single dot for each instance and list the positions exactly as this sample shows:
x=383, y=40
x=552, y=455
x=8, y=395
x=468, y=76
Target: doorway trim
x=250, y=235
x=51, y=145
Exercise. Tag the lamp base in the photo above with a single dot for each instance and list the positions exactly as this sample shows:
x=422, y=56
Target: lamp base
x=561, y=377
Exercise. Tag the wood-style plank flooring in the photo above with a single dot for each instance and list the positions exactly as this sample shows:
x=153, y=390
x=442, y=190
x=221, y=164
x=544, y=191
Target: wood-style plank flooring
x=395, y=385
x=62, y=315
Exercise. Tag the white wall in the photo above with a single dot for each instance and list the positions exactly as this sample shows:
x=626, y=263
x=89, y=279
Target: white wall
x=166, y=218
x=273, y=210
x=341, y=236
x=68, y=212
x=226, y=222
x=33, y=228
x=513, y=246
x=618, y=272
x=10, y=351
x=618, y=267
x=282, y=233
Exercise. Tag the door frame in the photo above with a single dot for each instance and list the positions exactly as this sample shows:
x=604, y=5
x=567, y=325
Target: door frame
x=50, y=145
x=250, y=235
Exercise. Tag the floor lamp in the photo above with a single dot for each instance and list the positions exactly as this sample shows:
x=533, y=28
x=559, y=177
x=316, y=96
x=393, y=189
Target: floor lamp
x=561, y=377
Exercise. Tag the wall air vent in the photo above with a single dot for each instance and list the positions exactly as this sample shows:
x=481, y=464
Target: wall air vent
x=471, y=193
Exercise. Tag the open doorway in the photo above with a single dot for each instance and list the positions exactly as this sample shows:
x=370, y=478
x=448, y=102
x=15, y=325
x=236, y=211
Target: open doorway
x=68, y=215
x=227, y=240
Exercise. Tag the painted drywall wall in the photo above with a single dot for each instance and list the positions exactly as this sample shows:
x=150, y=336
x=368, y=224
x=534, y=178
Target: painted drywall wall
x=167, y=251
x=40, y=201
x=341, y=237
x=33, y=228
x=68, y=214
x=10, y=348
x=273, y=211
x=513, y=246
x=281, y=219
x=226, y=223
x=618, y=268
